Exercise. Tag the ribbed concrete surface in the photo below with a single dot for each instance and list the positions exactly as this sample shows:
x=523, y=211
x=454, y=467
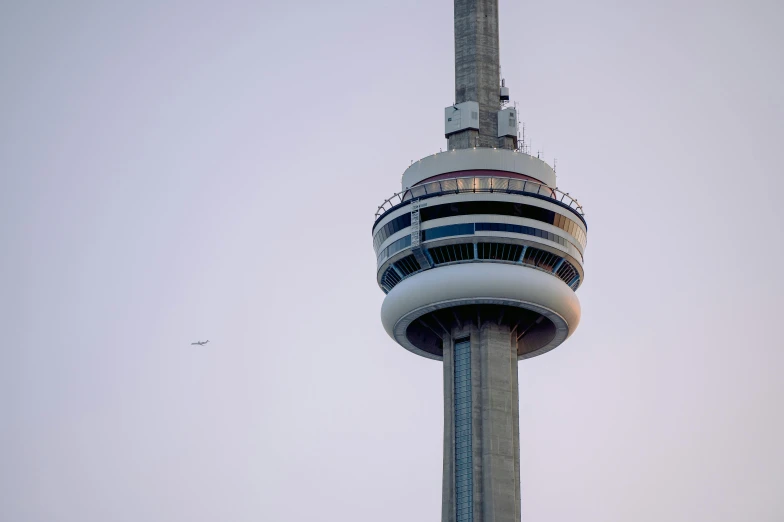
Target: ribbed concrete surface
x=495, y=418
x=477, y=69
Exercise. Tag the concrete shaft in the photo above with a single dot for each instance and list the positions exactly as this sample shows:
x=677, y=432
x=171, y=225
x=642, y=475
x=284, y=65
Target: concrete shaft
x=477, y=71
x=495, y=431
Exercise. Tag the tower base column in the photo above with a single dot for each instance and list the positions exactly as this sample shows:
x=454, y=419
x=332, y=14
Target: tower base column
x=494, y=429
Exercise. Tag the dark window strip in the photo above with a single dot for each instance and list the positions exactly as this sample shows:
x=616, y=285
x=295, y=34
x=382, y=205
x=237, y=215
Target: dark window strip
x=504, y=208
x=501, y=208
x=397, y=224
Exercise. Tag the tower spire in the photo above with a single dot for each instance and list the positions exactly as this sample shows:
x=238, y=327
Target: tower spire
x=477, y=73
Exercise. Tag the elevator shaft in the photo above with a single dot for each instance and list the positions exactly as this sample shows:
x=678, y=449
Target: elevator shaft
x=481, y=424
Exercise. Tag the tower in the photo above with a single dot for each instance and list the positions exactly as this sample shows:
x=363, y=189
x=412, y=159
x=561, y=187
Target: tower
x=480, y=256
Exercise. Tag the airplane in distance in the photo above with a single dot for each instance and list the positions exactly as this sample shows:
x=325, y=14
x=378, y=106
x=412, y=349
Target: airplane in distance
x=200, y=343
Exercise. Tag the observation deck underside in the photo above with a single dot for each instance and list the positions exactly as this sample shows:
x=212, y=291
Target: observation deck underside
x=531, y=330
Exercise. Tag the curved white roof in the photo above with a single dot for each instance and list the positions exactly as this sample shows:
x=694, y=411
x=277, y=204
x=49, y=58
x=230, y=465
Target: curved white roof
x=481, y=158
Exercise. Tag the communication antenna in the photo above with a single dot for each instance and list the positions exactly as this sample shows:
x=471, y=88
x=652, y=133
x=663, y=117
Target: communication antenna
x=525, y=148
x=521, y=137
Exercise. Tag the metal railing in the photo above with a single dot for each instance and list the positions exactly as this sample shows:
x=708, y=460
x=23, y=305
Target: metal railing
x=480, y=184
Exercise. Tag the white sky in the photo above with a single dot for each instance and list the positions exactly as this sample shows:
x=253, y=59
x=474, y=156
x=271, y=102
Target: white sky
x=174, y=171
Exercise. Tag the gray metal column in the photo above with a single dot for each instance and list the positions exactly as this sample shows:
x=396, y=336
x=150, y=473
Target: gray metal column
x=477, y=69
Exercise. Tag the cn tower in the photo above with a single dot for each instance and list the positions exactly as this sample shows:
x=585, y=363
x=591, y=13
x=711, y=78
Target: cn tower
x=480, y=256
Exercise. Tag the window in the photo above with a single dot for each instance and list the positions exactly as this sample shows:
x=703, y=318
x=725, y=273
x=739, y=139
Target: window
x=390, y=279
x=397, y=224
x=568, y=274
x=462, y=229
x=520, y=229
x=451, y=253
x=394, y=248
x=464, y=470
x=408, y=265
x=541, y=259
x=499, y=251
x=504, y=208
x=490, y=251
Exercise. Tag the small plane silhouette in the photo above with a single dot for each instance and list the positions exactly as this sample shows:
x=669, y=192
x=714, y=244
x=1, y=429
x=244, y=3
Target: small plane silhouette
x=200, y=343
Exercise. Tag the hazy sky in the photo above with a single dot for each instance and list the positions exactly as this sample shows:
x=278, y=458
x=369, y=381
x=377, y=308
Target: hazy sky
x=174, y=171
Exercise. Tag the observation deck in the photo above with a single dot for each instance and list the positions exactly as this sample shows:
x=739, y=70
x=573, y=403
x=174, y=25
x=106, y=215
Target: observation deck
x=502, y=239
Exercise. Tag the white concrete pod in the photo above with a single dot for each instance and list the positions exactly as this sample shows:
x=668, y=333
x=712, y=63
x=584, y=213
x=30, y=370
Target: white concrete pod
x=490, y=284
